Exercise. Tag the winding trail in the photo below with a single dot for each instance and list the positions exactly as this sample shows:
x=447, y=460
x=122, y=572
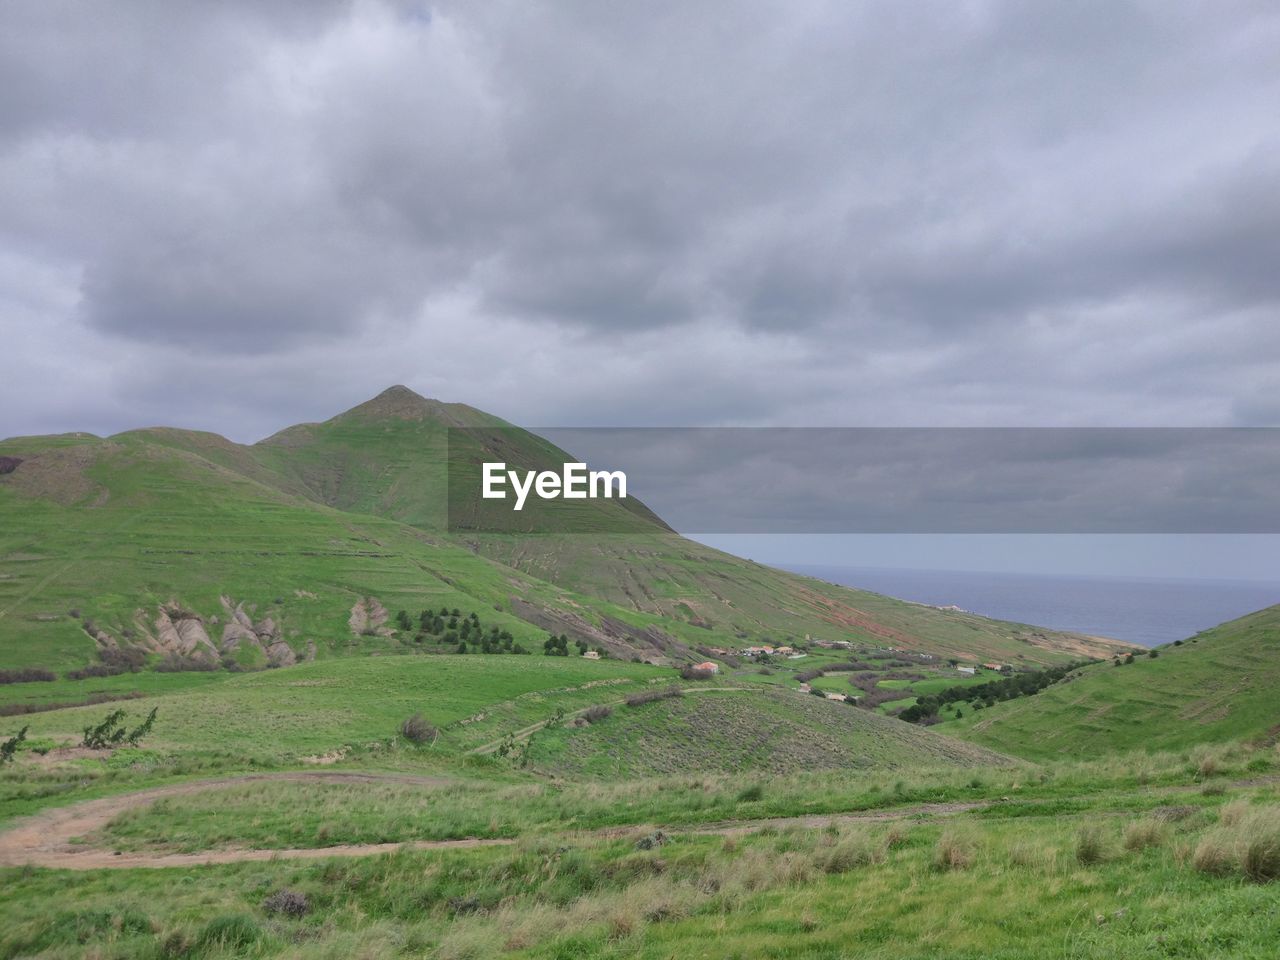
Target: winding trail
x=46, y=839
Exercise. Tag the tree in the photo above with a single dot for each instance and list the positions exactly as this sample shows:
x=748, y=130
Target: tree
x=108, y=733
x=556, y=646
x=144, y=728
x=112, y=732
x=403, y=621
x=10, y=747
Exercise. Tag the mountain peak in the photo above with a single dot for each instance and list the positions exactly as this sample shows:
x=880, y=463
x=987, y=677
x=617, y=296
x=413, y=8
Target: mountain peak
x=396, y=402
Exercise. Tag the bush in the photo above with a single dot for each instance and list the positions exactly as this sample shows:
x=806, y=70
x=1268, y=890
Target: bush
x=651, y=841
x=597, y=713
x=696, y=673
x=178, y=663
x=1260, y=857
x=287, y=903
x=1142, y=834
x=1091, y=847
x=649, y=696
x=954, y=851
x=234, y=931
x=29, y=675
x=10, y=746
x=847, y=855
x=115, y=661
x=417, y=730
x=751, y=794
x=1214, y=856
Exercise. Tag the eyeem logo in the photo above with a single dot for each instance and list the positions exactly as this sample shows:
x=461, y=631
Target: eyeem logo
x=574, y=482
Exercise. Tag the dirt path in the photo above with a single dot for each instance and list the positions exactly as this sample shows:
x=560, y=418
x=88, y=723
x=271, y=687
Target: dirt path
x=46, y=839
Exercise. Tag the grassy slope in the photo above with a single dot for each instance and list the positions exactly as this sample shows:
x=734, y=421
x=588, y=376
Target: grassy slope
x=1219, y=685
x=685, y=581
x=353, y=507
x=316, y=708
x=142, y=524
x=763, y=730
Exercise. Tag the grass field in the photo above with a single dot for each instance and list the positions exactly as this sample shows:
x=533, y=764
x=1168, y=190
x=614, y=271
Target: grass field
x=1088, y=860
x=1219, y=685
x=829, y=805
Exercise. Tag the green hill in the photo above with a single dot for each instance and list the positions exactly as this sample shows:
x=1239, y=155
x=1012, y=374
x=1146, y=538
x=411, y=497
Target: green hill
x=305, y=545
x=727, y=731
x=1218, y=685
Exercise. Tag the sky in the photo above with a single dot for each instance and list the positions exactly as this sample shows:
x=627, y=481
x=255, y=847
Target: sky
x=242, y=215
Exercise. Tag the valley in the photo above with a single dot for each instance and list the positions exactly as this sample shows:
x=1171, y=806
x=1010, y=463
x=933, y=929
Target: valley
x=378, y=733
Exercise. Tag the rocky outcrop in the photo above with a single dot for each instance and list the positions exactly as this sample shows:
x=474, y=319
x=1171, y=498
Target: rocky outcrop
x=368, y=617
x=265, y=635
x=9, y=464
x=182, y=632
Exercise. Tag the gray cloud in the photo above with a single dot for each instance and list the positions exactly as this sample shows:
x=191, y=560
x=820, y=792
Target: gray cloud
x=569, y=212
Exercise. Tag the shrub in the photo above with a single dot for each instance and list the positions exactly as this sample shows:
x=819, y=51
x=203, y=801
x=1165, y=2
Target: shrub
x=1260, y=853
x=1091, y=846
x=649, y=696
x=287, y=903
x=29, y=675
x=597, y=713
x=1142, y=834
x=954, y=851
x=10, y=746
x=751, y=794
x=178, y=663
x=234, y=931
x=847, y=855
x=417, y=730
x=651, y=841
x=1208, y=766
x=1213, y=855
x=696, y=673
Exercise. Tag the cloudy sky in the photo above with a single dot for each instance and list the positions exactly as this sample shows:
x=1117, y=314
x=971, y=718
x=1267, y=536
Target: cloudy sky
x=240, y=215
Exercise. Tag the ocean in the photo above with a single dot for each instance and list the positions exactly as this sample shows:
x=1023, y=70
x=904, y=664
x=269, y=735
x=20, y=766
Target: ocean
x=1144, y=611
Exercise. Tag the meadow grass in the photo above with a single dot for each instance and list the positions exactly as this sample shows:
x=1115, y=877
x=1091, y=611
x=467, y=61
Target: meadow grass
x=981, y=889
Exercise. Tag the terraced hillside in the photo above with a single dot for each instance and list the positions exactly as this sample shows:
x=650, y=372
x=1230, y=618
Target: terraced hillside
x=1219, y=685
x=306, y=545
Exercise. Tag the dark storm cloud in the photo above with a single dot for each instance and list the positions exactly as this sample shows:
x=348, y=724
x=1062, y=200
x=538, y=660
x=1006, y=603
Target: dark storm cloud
x=912, y=481
x=813, y=212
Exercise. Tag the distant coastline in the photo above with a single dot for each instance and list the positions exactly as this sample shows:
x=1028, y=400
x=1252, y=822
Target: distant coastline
x=1145, y=611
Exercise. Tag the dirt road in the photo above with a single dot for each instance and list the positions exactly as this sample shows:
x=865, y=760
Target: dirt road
x=46, y=839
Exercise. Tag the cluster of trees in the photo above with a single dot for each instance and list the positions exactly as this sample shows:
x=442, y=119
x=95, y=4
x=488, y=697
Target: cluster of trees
x=462, y=633
x=925, y=710
x=559, y=646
